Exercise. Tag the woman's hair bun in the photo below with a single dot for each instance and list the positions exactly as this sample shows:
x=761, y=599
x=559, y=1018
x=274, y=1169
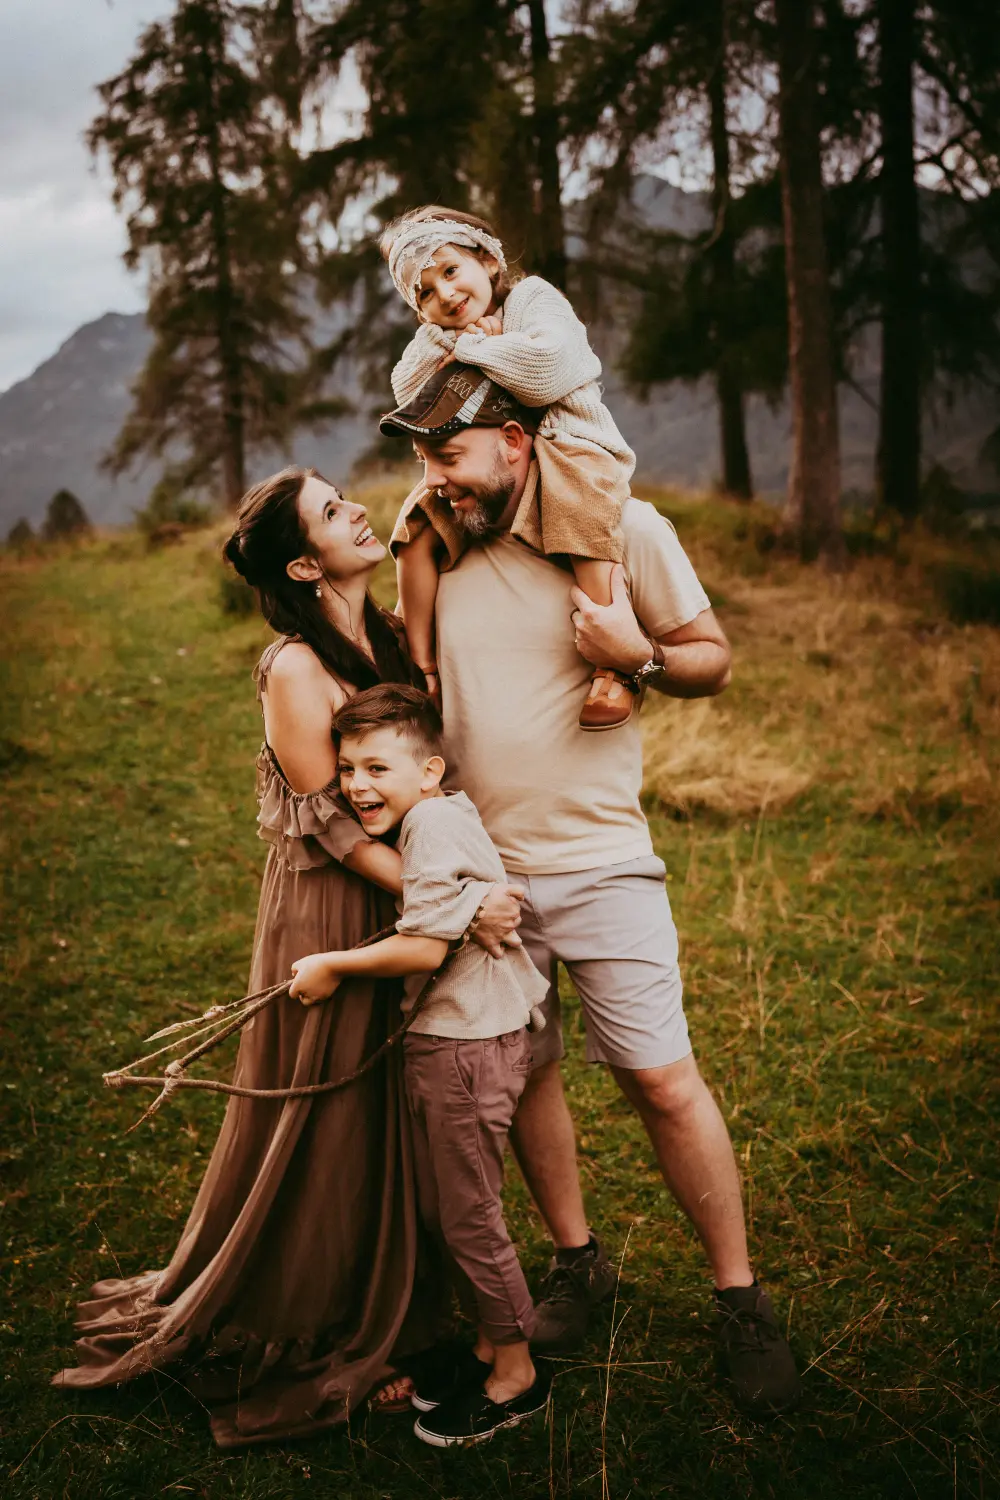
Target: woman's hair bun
x=233, y=553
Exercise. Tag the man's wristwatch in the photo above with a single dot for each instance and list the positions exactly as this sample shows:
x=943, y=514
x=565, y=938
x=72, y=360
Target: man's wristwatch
x=650, y=668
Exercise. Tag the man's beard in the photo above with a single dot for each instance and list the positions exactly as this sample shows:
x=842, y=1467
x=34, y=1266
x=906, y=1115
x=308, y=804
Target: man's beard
x=492, y=499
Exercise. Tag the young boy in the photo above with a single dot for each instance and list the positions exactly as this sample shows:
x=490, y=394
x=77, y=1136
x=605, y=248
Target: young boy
x=466, y=1054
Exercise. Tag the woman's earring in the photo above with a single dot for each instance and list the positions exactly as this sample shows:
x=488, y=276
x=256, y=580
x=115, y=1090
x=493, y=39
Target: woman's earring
x=319, y=591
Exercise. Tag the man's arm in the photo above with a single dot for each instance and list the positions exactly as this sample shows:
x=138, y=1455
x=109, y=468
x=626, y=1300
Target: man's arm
x=696, y=656
x=697, y=659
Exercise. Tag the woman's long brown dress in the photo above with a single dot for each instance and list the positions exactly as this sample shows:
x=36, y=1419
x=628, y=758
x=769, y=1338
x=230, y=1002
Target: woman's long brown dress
x=289, y=1290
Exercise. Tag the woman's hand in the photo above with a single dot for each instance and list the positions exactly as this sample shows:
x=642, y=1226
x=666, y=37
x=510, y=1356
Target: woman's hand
x=500, y=919
x=315, y=978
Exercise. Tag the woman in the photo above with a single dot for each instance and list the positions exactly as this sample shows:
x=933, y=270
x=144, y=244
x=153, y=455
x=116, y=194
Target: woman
x=292, y=1288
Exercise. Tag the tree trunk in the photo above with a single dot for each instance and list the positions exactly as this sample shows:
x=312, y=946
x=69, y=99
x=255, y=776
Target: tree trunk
x=898, y=462
x=227, y=337
x=814, y=478
x=728, y=382
x=550, y=259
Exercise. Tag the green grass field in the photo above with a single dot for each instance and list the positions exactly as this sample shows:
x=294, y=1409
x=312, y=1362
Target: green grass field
x=831, y=831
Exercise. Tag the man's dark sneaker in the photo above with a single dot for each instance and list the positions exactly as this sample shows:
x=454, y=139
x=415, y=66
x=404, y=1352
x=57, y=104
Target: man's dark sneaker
x=445, y=1372
x=576, y=1282
x=472, y=1417
x=755, y=1356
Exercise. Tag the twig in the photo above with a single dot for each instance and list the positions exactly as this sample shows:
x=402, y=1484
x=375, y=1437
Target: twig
x=605, y=1492
x=226, y=1019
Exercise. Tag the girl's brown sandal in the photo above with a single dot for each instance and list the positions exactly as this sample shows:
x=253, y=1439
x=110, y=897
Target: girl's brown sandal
x=611, y=701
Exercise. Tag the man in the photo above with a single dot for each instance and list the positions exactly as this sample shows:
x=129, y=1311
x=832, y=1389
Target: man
x=514, y=643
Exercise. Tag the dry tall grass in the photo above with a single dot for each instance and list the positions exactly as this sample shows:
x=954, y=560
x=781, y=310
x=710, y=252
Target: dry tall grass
x=854, y=682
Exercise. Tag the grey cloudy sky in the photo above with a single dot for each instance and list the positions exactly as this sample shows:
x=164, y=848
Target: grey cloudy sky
x=60, y=239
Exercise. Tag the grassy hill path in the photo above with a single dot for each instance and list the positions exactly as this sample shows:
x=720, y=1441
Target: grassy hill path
x=831, y=832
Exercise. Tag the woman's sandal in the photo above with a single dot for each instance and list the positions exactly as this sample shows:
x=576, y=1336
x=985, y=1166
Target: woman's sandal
x=610, y=702
x=392, y=1395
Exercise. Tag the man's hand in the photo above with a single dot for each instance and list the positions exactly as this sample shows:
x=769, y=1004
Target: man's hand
x=609, y=635
x=315, y=978
x=497, y=927
x=696, y=656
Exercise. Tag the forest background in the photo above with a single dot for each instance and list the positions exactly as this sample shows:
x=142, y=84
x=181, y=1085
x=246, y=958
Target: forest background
x=841, y=160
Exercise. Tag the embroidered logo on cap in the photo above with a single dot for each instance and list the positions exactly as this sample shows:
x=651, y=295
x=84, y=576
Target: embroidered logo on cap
x=463, y=388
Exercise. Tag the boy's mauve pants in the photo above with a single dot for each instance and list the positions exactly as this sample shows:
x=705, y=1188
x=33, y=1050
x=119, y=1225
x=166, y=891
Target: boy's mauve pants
x=462, y=1096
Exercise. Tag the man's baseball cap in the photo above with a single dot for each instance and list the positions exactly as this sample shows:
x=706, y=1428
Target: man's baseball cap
x=456, y=397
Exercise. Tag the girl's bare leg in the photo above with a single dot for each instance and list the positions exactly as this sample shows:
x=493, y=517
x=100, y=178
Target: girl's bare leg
x=609, y=704
x=594, y=577
x=417, y=579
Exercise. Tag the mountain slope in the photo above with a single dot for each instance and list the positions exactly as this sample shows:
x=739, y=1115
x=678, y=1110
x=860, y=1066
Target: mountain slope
x=56, y=424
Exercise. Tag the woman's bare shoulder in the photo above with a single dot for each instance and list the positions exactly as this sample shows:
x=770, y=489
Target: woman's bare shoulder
x=295, y=668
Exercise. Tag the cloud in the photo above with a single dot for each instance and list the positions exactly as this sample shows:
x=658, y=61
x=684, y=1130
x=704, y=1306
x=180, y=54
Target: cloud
x=60, y=238
x=61, y=241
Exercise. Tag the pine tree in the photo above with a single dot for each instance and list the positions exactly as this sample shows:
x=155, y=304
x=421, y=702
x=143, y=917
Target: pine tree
x=898, y=460
x=546, y=250
x=64, y=517
x=711, y=304
x=20, y=536
x=461, y=109
x=722, y=251
x=198, y=139
x=956, y=124
x=814, y=479
x=915, y=89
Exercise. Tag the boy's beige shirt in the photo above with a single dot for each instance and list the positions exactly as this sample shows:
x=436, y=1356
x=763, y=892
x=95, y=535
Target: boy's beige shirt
x=449, y=868
x=553, y=797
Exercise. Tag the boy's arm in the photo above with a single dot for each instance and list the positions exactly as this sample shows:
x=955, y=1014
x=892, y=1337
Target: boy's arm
x=421, y=357
x=545, y=359
x=316, y=977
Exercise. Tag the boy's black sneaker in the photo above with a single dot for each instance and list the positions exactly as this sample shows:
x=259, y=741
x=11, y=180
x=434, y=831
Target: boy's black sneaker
x=755, y=1356
x=443, y=1373
x=472, y=1417
x=570, y=1291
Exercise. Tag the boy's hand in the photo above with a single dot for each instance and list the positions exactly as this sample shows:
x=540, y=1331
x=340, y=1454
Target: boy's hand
x=490, y=323
x=315, y=978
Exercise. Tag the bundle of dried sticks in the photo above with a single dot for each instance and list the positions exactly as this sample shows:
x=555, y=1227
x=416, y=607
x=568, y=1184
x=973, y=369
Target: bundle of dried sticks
x=221, y=1021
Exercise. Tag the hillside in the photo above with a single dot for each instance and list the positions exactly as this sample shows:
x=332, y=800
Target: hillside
x=56, y=424
x=829, y=827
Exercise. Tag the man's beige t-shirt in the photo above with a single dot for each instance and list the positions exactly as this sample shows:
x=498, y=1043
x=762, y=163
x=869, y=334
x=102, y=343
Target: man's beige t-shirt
x=553, y=797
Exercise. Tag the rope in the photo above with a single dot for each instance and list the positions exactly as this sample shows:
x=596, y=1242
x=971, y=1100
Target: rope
x=226, y=1019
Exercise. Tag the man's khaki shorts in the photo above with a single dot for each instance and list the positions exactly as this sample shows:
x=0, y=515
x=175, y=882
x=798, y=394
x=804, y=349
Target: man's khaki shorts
x=613, y=929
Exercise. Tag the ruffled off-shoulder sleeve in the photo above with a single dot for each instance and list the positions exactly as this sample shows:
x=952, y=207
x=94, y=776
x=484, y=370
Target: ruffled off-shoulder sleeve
x=308, y=829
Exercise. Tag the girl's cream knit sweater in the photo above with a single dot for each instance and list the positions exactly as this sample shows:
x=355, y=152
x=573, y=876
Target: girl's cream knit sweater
x=543, y=358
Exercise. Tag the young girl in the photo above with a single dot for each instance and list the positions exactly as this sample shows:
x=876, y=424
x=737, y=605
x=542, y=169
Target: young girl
x=523, y=333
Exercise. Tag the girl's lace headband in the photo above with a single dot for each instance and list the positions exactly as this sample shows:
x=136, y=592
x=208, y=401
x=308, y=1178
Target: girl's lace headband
x=415, y=244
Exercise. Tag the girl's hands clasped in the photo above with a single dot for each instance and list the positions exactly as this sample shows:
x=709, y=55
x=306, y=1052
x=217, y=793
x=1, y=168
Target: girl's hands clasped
x=490, y=323
x=315, y=978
